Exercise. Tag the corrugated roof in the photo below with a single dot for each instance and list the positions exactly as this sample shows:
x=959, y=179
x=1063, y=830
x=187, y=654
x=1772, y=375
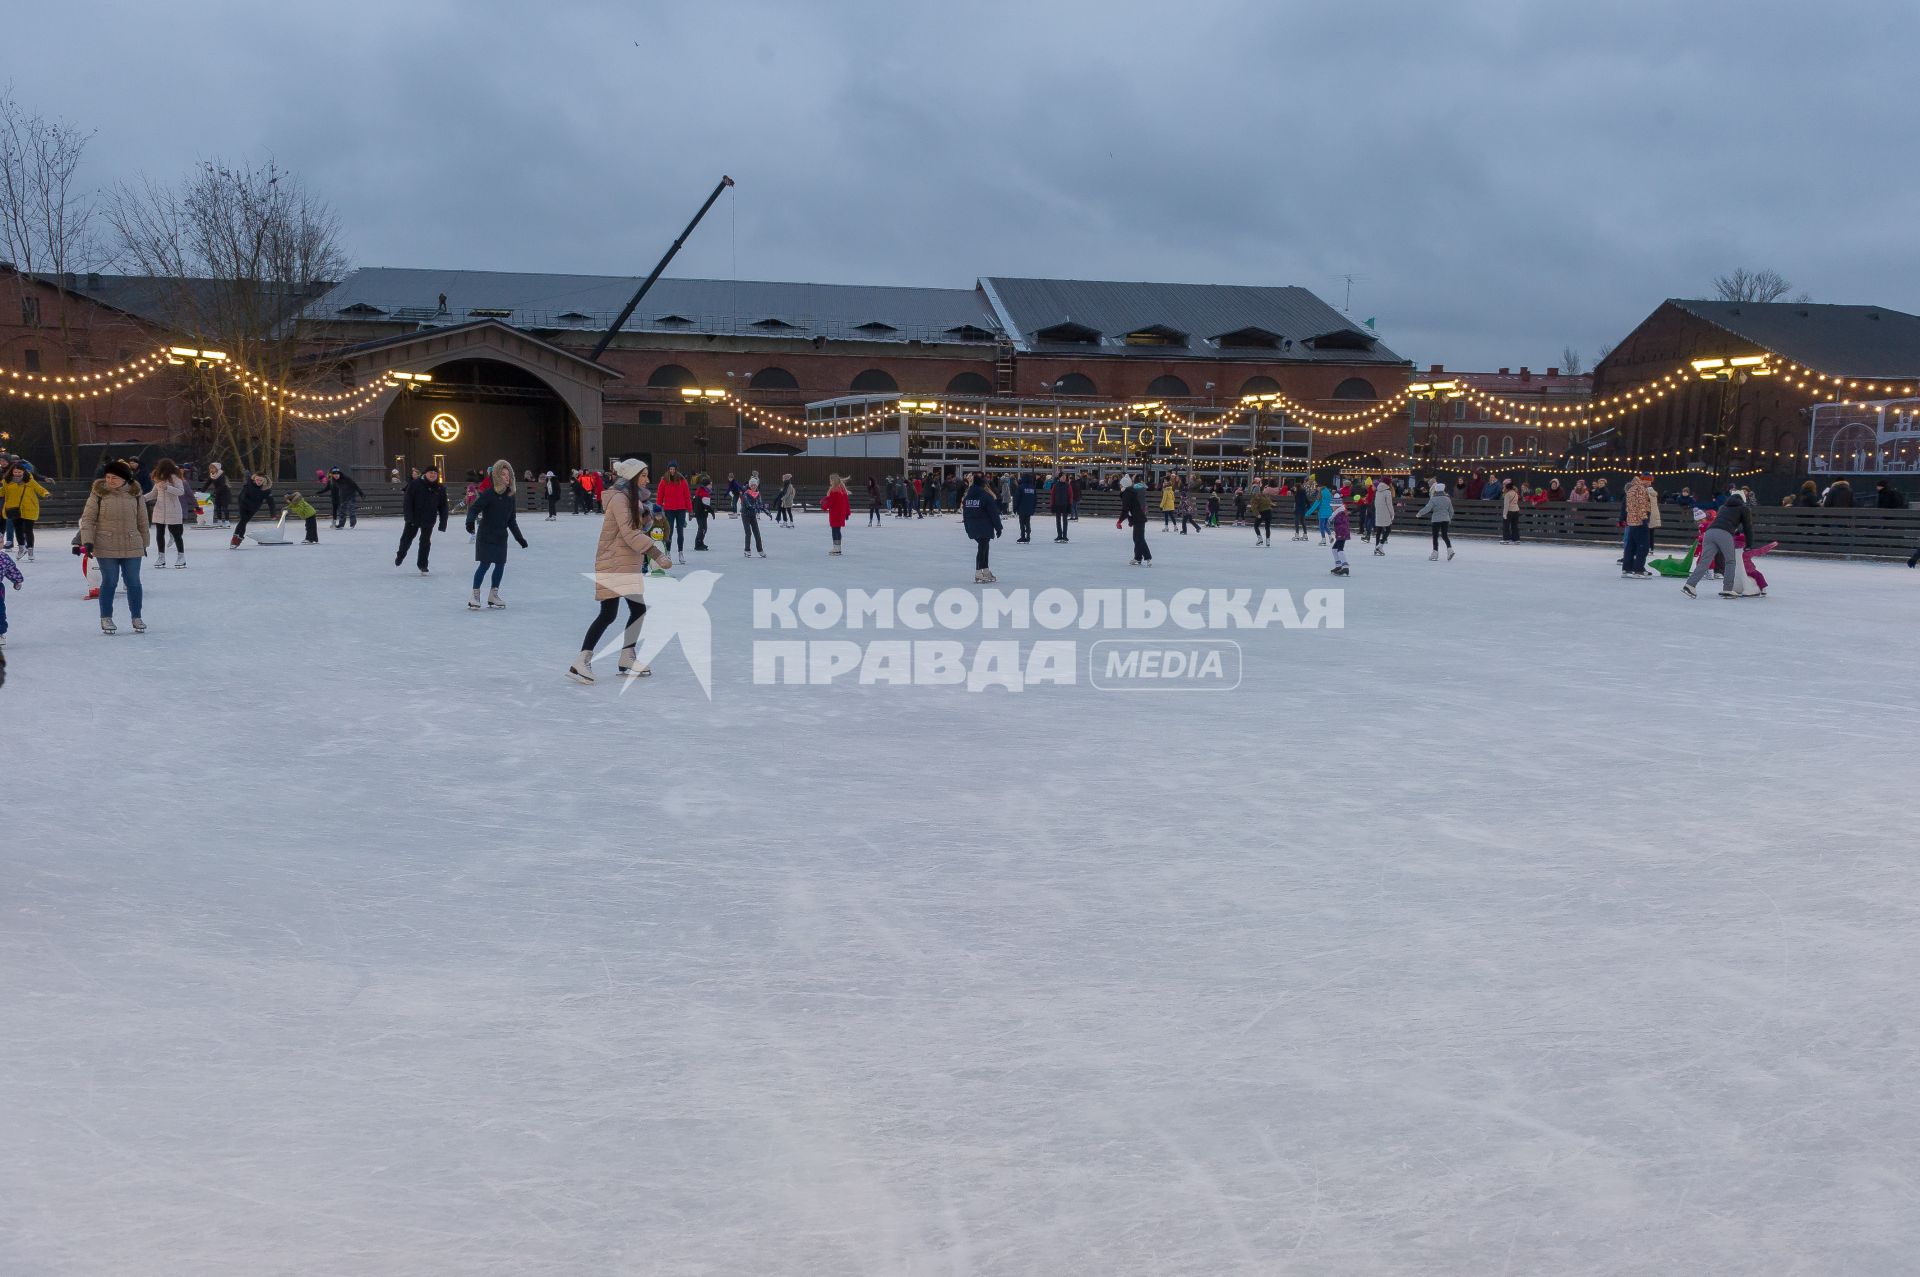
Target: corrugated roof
x=175, y=304
x=1203, y=311
x=1846, y=341
x=589, y=303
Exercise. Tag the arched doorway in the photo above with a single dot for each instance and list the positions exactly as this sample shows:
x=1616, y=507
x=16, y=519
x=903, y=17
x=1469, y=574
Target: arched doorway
x=478, y=411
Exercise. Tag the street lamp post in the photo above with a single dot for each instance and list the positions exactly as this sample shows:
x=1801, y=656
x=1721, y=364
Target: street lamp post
x=1435, y=393
x=1732, y=374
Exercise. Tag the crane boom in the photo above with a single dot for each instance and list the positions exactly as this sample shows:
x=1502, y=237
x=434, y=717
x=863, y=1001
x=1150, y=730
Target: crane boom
x=606, y=338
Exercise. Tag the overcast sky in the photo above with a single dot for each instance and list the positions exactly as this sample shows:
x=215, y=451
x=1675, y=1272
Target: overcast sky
x=1501, y=179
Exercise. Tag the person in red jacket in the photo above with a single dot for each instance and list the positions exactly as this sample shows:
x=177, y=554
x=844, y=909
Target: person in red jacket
x=675, y=496
x=838, y=506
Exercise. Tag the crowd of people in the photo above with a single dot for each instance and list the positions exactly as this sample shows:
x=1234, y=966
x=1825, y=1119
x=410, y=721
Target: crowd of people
x=644, y=524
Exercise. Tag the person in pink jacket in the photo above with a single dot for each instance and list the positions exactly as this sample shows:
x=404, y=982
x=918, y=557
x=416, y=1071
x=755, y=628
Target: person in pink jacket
x=838, y=504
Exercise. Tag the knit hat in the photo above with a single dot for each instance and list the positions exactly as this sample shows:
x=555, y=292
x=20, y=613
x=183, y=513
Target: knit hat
x=629, y=468
x=120, y=470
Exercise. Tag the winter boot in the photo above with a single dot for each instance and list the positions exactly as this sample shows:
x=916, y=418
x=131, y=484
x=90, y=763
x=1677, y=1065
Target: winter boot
x=473, y=604
x=494, y=599
x=581, y=671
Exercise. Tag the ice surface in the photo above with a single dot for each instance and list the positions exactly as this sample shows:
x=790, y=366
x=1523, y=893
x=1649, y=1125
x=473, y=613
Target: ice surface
x=1537, y=922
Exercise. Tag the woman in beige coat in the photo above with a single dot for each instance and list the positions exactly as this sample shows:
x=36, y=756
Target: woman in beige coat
x=113, y=529
x=166, y=496
x=620, y=572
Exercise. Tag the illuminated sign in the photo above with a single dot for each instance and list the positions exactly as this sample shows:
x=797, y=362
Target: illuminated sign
x=445, y=427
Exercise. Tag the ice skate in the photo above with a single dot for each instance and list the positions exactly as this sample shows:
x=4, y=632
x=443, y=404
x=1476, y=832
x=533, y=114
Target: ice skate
x=494, y=599
x=399, y=558
x=139, y=626
x=1378, y=551
x=423, y=571
x=763, y=554
x=1434, y=557
x=473, y=604
x=581, y=671
x=628, y=669
x=107, y=626
x=160, y=561
x=179, y=558
x=1449, y=554
x=1689, y=591
x=980, y=576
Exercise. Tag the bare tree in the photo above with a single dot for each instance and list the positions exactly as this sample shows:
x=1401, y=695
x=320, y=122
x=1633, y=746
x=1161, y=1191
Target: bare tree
x=242, y=247
x=1606, y=348
x=46, y=226
x=1570, y=362
x=1743, y=285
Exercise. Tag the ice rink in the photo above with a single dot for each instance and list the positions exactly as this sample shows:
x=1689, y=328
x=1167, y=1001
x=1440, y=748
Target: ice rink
x=1535, y=922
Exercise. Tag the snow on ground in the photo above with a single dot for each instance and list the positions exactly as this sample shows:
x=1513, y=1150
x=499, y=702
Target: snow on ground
x=1535, y=922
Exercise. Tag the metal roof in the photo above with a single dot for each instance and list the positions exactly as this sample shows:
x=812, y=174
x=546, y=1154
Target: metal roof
x=589, y=303
x=1845, y=341
x=1204, y=312
x=184, y=306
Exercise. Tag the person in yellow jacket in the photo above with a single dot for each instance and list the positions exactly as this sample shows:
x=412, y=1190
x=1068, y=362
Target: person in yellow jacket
x=1169, y=501
x=20, y=494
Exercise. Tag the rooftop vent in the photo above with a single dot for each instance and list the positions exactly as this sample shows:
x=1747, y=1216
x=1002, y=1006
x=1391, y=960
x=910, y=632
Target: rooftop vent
x=1068, y=331
x=1156, y=335
x=970, y=332
x=773, y=323
x=673, y=319
x=875, y=326
x=360, y=308
x=1249, y=338
x=492, y=312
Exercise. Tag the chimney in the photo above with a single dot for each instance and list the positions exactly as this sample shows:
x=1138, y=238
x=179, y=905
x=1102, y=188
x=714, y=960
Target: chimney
x=1524, y=374
x=1503, y=372
x=1436, y=370
x=1553, y=372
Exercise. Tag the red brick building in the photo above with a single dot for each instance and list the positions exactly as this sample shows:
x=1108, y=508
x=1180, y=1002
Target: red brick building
x=1464, y=428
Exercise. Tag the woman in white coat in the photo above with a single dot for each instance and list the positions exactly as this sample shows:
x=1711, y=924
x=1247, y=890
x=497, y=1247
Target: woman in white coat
x=169, y=514
x=1383, y=495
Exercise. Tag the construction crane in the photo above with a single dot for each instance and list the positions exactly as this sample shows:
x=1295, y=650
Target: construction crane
x=606, y=338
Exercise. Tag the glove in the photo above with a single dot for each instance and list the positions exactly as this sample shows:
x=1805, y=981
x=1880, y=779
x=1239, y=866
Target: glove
x=85, y=548
x=1119, y=521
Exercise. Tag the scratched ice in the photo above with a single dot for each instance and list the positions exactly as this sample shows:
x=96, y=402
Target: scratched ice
x=1537, y=922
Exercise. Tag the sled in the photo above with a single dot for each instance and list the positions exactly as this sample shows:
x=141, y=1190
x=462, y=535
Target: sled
x=275, y=535
x=1673, y=567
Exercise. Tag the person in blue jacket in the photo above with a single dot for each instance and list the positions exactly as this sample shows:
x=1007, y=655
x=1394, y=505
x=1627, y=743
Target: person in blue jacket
x=1026, y=497
x=1322, y=509
x=980, y=516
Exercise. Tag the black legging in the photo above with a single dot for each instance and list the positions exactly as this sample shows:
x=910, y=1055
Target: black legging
x=980, y=553
x=750, y=524
x=1300, y=520
x=1510, y=528
x=1060, y=518
x=629, y=638
x=160, y=538
x=23, y=532
x=1140, y=550
x=1440, y=534
x=1381, y=531
x=1263, y=524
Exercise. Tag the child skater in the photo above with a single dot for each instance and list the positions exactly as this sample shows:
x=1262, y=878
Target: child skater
x=1337, y=524
x=300, y=508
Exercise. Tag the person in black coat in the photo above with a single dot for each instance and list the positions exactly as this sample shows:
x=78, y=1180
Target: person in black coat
x=424, y=505
x=345, y=493
x=1060, y=502
x=256, y=492
x=490, y=518
x=1026, y=496
x=1133, y=510
x=220, y=493
x=980, y=515
x=1888, y=497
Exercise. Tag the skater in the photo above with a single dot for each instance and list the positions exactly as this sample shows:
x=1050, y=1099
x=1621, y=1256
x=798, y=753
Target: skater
x=1133, y=511
x=838, y=504
x=1026, y=496
x=1717, y=542
x=20, y=494
x=733, y=496
x=1338, y=524
x=1322, y=509
x=620, y=573
x=702, y=508
x=1639, y=539
x=1169, y=501
x=1183, y=507
x=1060, y=502
x=980, y=517
x=1509, y=513
x=219, y=492
x=1240, y=503
x=1302, y=502
x=490, y=518
x=874, y=500
x=788, y=495
x=1439, y=508
x=751, y=508
x=675, y=496
x=1260, y=507
x=9, y=571
x=300, y=508
x=1213, y=507
x=424, y=505
x=346, y=497
x=256, y=493
x=549, y=488
x=113, y=533
x=1383, y=495
x=166, y=517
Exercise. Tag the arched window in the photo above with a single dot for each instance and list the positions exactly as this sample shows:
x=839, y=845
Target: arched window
x=1533, y=445
x=1506, y=445
x=874, y=381
x=1169, y=386
x=1355, y=388
x=1074, y=383
x=1480, y=449
x=969, y=383
x=1459, y=445
x=671, y=377
x=1260, y=386
x=773, y=379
